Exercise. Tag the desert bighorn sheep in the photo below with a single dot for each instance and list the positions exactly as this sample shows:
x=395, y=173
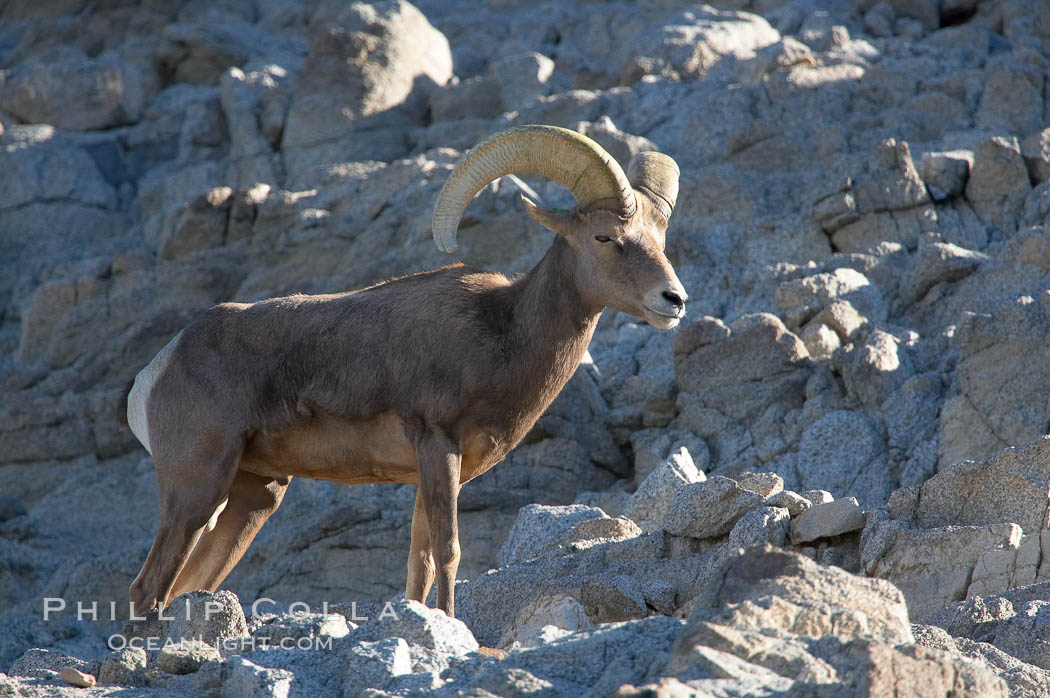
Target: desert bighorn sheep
x=430, y=379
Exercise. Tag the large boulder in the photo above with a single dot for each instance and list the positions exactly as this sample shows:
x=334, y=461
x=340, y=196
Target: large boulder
x=362, y=83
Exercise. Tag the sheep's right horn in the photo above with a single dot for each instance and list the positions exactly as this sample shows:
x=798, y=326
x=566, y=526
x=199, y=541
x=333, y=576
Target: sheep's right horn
x=657, y=175
x=569, y=158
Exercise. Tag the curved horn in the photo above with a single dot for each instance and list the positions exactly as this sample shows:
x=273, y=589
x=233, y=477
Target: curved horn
x=569, y=158
x=657, y=175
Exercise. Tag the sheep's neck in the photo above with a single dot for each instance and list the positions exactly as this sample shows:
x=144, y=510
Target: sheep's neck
x=551, y=328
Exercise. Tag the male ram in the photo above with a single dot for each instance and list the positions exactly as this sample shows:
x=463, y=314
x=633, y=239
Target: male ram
x=429, y=379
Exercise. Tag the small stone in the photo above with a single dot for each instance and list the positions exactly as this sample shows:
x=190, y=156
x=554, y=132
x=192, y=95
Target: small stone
x=792, y=501
x=246, y=678
x=821, y=341
x=593, y=531
x=763, y=484
x=124, y=667
x=843, y=318
x=818, y=496
x=827, y=520
x=764, y=526
x=186, y=657
x=77, y=678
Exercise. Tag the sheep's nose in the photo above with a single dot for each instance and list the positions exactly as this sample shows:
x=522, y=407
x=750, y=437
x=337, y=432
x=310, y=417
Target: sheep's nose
x=674, y=299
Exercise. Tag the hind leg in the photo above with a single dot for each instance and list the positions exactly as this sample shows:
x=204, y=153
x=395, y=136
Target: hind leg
x=252, y=499
x=191, y=487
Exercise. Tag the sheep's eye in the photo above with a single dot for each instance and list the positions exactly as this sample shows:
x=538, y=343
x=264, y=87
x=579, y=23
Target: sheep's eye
x=603, y=238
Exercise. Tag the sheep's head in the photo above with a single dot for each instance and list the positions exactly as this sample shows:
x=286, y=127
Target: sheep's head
x=617, y=230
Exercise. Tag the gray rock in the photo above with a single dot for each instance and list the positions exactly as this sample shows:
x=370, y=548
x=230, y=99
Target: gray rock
x=827, y=520
x=186, y=657
x=765, y=526
x=843, y=452
x=419, y=625
x=878, y=21
x=211, y=618
x=786, y=656
x=650, y=502
x=932, y=567
x=198, y=225
x=375, y=665
x=359, y=75
x=10, y=507
x=884, y=201
x=601, y=659
x=300, y=625
x=69, y=90
x=594, y=531
x=708, y=509
x=1010, y=102
x=47, y=664
x=934, y=263
x=522, y=77
x=125, y=667
x=767, y=588
x=976, y=618
x=945, y=173
x=821, y=341
x=871, y=668
x=692, y=43
x=1006, y=488
x=248, y=680
x=654, y=446
x=1026, y=634
x=792, y=501
x=806, y=297
x=1035, y=149
x=998, y=182
x=729, y=376
x=991, y=402
x=538, y=527
x=875, y=369
x=765, y=485
x=563, y=612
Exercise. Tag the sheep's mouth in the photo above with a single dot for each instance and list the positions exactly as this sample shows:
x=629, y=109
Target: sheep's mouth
x=661, y=320
x=654, y=311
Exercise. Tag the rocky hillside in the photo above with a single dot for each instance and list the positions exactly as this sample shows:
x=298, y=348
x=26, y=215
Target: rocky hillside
x=803, y=491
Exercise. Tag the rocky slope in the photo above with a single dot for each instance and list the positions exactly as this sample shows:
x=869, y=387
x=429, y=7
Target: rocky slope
x=864, y=231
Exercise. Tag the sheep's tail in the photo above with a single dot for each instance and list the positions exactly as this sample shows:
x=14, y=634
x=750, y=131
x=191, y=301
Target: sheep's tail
x=122, y=405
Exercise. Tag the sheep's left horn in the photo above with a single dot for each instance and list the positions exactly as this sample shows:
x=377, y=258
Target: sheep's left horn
x=655, y=174
x=573, y=160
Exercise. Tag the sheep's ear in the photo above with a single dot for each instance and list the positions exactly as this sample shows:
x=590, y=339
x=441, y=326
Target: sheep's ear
x=554, y=219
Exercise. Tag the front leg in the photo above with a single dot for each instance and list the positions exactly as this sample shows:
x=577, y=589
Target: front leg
x=439, y=462
x=420, y=555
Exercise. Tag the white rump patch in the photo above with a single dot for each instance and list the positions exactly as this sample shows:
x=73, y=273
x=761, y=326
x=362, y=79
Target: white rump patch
x=139, y=395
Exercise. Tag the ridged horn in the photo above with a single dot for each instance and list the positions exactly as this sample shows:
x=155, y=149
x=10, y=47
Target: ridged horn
x=657, y=175
x=573, y=160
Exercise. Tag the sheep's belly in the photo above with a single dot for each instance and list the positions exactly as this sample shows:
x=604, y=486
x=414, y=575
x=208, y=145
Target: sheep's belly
x=353, y=451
